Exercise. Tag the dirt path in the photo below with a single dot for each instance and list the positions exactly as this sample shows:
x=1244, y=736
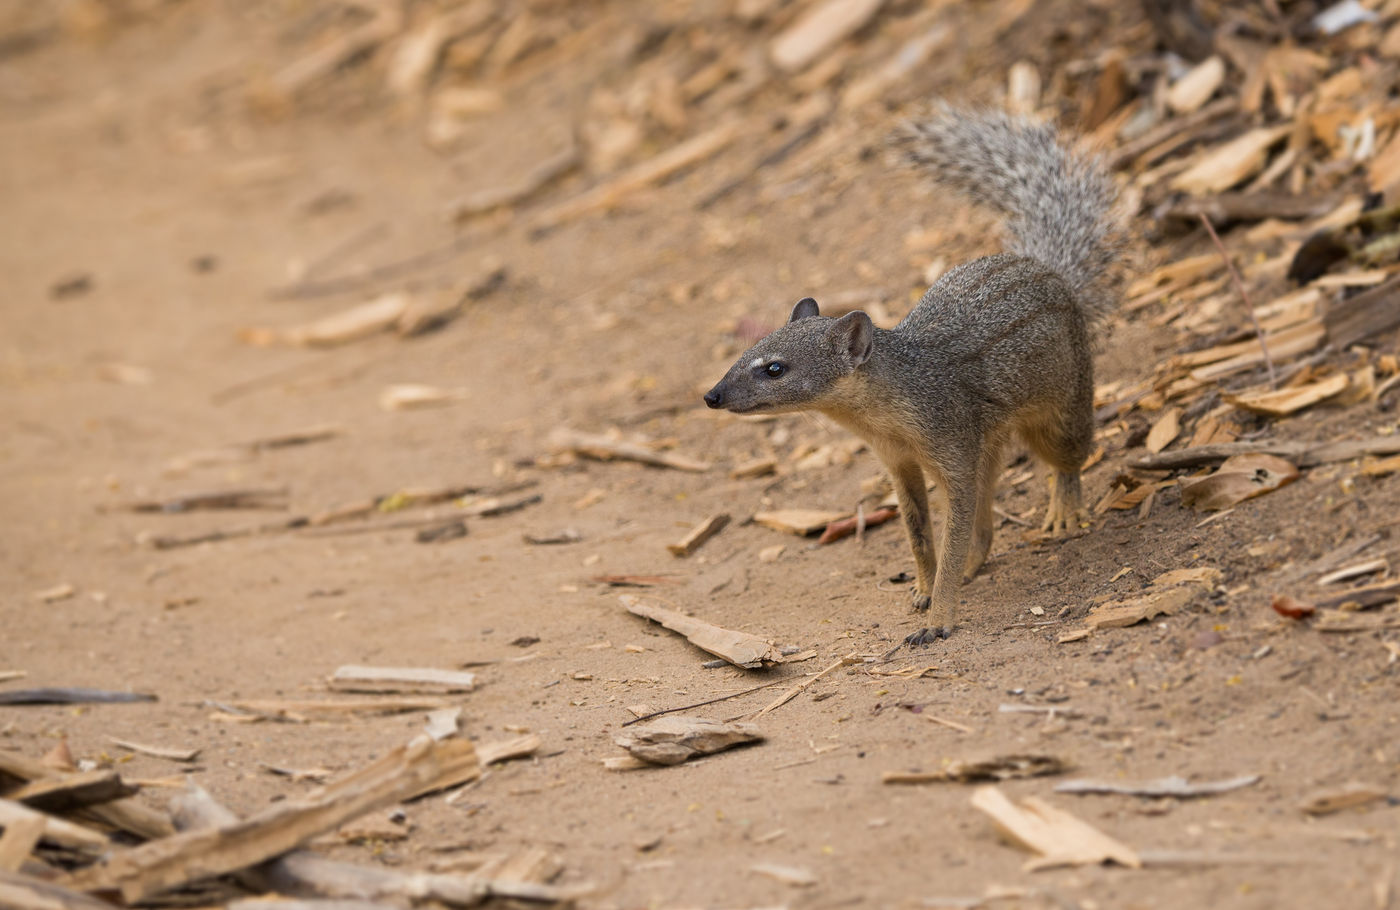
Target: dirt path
x=123, y=163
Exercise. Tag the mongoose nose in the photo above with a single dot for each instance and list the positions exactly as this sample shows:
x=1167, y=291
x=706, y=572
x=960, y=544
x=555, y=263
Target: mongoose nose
x=714, y=398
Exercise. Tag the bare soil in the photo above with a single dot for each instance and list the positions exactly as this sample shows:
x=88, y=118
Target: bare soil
x=125, y=160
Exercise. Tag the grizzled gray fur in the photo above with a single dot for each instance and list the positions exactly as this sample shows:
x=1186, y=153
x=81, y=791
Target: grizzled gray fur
x=997, y=346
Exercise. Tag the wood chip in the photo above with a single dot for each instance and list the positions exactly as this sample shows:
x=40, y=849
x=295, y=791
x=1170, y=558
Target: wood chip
x=699, y=534
x=758, y=467
x=609, y=194
x=327, y=57
x=291, y=903
x=1283, y=345
x=553, y=538
x=910, y=56
x=418, y=52
x=1001, y=767
x=148, y=870
x=180, y=755
x=1348, y=621
x=672, y=739
x=1061, y=839
x=18, y=841
x=788, y=875
x=362, y=321
x=56, y=593
x=1178, y=787
x=305, y=709
x=1282, y=402
x=1347, y=573
x=414, y=396
x=71, y=695
x=1225, y=166
x=23, y=892
x=404, y=680
x=1381, y=467
x=302, y=871
x=803, y=522
x=256, y=498
x=1348, y=796
x=739, y=648
x=1166, y=429
x=1196, y=87
x=1240, y=477
x=1303, y=454
x=124, y=814
x=56, y=830
x=72, y=791
x=605, y=448
x=443, y=723
x=1361, y=318
x=820, y=29
x=1206, y=576
x=535, y=179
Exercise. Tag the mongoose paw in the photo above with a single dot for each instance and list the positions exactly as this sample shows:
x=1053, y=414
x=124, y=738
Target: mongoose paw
x=925, y=637
x=1060, y=522
x=922, y=602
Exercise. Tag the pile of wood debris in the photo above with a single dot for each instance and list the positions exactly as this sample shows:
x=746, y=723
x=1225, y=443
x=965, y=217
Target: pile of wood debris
x=76, y=839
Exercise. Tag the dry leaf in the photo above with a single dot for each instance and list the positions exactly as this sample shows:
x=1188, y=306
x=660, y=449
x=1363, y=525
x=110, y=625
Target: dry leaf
x=1239, y=478
x=1293, y=609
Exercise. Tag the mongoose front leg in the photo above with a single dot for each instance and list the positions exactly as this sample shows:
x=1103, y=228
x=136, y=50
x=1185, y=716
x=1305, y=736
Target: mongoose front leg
x=953, y=550
x=1066, y=509
x=912, y=494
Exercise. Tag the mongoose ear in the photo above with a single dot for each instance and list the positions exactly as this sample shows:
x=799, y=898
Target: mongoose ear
x=854, y=336
x=805, y=307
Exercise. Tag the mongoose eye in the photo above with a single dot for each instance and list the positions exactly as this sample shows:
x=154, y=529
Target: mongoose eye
x=775, y=369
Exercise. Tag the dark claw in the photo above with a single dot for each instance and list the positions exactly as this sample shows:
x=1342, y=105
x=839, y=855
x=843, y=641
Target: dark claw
x=925, y=637
x=922, y=603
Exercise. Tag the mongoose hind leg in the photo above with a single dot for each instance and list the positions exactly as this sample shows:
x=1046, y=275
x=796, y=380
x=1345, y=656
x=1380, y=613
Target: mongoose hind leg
x=988, y=467
x=912, y=493
x=1063, y=438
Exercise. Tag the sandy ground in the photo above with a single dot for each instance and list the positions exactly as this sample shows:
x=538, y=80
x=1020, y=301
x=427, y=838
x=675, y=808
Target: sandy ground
x=123, y=161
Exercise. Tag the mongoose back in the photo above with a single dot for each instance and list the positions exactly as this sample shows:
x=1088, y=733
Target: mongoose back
x=997, y=346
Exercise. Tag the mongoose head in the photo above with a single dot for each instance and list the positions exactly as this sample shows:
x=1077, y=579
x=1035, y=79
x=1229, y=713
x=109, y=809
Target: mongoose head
x=802, y=366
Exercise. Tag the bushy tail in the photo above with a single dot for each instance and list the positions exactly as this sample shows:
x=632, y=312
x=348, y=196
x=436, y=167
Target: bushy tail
x=1056, y=202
